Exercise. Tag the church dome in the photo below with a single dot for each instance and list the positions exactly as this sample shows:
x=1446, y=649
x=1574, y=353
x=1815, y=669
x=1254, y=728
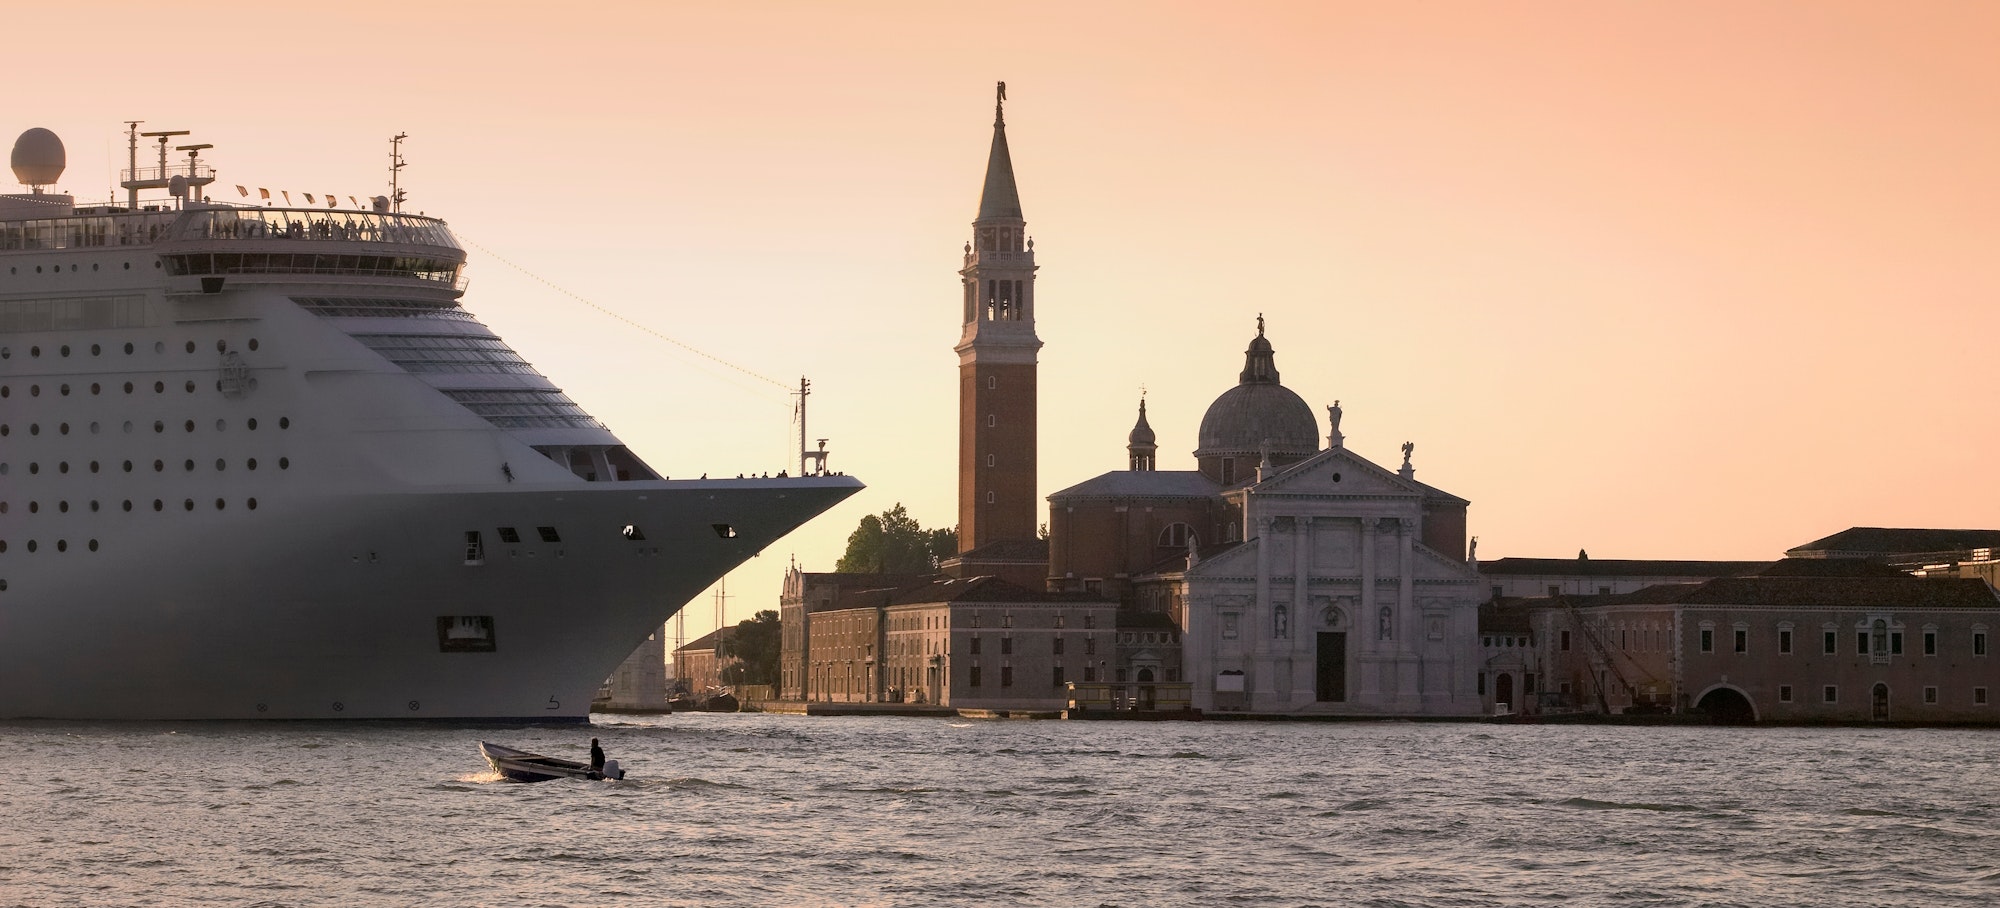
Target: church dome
x=1258, y=410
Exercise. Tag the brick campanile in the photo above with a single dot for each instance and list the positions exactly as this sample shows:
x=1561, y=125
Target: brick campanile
x=996, y=362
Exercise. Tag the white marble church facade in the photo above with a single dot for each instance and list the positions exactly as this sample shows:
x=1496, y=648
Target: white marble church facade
x=1335, y=604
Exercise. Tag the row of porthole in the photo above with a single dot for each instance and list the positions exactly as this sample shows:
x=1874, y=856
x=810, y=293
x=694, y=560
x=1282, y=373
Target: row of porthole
x=159, y=466
x=72, y=267
x=62, y=545
x=159, y=426
x=35, y=350
x=159, y=387
x=158, y=506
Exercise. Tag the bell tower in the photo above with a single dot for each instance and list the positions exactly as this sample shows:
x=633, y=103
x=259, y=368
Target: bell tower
x=996, y=362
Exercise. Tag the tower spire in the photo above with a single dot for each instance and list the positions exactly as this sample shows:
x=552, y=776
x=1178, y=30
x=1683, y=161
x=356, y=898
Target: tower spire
x=1141, y=445
x=998, y=199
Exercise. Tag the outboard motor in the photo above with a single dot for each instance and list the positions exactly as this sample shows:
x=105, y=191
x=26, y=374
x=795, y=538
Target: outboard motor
x=612, y=770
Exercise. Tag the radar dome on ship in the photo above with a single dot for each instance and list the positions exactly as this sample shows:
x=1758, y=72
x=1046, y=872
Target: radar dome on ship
x=38, y=158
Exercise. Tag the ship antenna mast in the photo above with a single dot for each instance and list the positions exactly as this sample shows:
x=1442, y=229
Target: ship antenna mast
x=396, y=163
x=807, y=456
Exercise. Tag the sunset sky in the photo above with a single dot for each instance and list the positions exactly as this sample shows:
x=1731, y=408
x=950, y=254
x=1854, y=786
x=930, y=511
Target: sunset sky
x=1688, y=280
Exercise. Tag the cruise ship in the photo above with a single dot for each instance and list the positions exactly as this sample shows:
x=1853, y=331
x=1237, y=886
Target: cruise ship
x=260, y=463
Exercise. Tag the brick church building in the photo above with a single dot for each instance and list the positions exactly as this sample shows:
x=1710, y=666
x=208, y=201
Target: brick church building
x=1278, y=577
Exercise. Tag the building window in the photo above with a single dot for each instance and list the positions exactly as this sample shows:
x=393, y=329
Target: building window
x=1058, y=676
x=1930, y=643
x=989, y=460
x=1979, y=643
x=972, y=677
x=1555, y=589
x=1785, y=641
x=1176, y=536
x=1930, y=695
x=1979, y=696
x=975, y=645
x=1089, y=673
x=1830, y=645
x=1006, y=676
x=1707, y=640
x=1006, y=619
x=1089, y=621
x=1486, y=642
x=992, y=420
x=1496, y=591
x=1058, y=644
x=1784, y=693
x=1895, y=643
x=1861, y=643
x=1830, y=694
x=989, y=498
x=1742, y=641
x=1565, y=642
x=1060, y=619
x=1090, y=646
x=992, y=381
x=1006, y=646
x=1603, y=591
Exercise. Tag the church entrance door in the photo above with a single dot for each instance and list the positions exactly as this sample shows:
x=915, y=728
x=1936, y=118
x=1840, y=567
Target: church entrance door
x=1503, y=693
x=1880, y=712
x=1332, y=677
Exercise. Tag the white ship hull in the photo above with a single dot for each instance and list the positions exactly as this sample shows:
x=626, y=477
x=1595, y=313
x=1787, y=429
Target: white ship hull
x=259, y=464
x=330, y=609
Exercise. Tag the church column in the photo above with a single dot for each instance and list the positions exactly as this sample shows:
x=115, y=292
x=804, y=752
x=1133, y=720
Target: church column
x=1368, y=642
x=1260, y=637
x=1298, y=630
x=1409, y=623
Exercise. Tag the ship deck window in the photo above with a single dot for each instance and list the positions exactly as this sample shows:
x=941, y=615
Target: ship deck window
x=549, y=534
x=465, y=634
x=509, y=535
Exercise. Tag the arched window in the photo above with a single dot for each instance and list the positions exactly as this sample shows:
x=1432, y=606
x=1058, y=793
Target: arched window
x=1176, y=536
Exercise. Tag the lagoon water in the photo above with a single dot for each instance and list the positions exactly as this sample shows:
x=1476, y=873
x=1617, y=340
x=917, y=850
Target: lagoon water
x=789, y=810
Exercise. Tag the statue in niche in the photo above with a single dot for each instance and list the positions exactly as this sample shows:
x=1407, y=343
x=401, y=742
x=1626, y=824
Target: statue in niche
x=1280, y=618
x=1385, y=622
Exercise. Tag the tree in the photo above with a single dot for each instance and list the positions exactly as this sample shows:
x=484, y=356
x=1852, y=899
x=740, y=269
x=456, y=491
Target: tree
x=894, y=543
x=754, y=642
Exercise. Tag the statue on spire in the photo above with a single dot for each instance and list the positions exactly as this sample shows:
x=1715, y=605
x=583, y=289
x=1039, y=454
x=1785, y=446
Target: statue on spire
x=999, y=100
x=1260, y=324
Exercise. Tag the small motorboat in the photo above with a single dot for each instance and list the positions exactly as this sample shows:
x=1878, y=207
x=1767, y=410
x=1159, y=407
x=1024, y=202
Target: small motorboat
x=522, y=766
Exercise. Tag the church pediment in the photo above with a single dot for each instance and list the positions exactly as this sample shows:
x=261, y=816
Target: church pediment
x=1337, y=471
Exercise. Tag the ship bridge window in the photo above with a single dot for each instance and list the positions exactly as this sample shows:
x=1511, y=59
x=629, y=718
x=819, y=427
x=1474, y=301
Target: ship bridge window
x=549, y=534
x=509, y=535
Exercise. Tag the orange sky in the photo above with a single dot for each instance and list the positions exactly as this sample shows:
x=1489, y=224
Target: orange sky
x=1689, y=280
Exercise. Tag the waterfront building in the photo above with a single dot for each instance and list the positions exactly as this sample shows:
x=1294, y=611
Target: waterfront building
x=978, y=643
x=806, y=594
x=1846, y=642
x=1587, y=576
x=698, y=666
